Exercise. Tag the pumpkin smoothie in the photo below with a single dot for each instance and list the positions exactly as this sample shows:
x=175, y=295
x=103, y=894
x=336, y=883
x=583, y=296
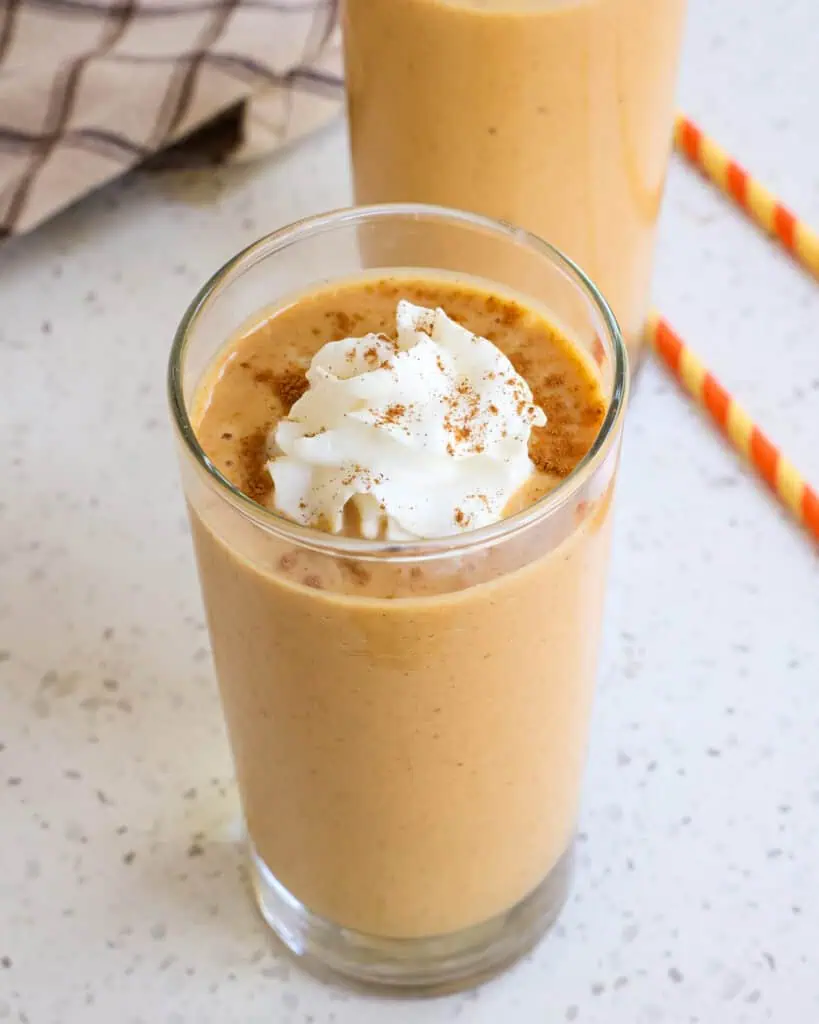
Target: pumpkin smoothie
x=409, y=728
x=552, y=114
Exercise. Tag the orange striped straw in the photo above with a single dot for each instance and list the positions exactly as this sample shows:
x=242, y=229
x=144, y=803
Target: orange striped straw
x=760, y=204
x=781, y=476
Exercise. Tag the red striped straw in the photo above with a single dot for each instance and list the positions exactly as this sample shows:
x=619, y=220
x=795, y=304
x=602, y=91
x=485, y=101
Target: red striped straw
x=758, y=203
x=736, y=425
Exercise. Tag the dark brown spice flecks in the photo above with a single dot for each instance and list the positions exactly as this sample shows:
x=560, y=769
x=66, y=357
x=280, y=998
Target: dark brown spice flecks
x=257, y=483
x=287, y=386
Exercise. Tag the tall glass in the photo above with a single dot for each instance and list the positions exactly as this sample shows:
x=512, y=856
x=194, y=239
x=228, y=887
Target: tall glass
x=553, y=114
x=409, y=767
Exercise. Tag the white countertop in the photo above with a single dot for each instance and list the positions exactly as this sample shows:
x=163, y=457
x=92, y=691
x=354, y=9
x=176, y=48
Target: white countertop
x=697, y=895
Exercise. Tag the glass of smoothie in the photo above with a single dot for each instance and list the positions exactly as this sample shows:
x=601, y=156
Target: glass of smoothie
x=400, y=476
x=553, y=114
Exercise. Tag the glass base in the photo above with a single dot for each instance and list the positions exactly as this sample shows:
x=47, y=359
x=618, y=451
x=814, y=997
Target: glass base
x=427, y=966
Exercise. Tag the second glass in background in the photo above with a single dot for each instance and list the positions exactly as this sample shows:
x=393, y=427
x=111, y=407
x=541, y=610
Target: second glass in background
x=553, y=114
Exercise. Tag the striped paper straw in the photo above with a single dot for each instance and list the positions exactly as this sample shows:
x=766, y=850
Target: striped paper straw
x=781, y=476
x=761, y=205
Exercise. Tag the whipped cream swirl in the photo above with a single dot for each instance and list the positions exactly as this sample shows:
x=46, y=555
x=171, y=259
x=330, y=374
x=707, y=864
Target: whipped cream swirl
x=426, y=435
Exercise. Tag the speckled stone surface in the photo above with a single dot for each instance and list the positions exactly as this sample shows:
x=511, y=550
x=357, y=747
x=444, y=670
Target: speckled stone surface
x=697, y=897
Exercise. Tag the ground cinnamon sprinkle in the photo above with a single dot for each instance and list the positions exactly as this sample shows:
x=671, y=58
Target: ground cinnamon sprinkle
x=558, y=447
x=593, y=414
x=256, y=480
x=512, y=314
x=522, y=365
x=555, y=459
x=344, y=322
x=574, y=414
x=394, y=413
x=288, y=386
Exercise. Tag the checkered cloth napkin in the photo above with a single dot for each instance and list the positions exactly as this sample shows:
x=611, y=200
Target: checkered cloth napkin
x=89, y=88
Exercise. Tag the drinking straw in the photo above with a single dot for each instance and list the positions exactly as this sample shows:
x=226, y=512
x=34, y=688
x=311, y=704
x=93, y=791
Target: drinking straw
x=758, y=203
x=780, y=475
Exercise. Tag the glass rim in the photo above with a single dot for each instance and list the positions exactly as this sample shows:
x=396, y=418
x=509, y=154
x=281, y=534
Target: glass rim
x=306, y=536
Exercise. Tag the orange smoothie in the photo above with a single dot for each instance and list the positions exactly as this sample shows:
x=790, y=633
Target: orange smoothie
x=552, y=114
x=409, y=736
